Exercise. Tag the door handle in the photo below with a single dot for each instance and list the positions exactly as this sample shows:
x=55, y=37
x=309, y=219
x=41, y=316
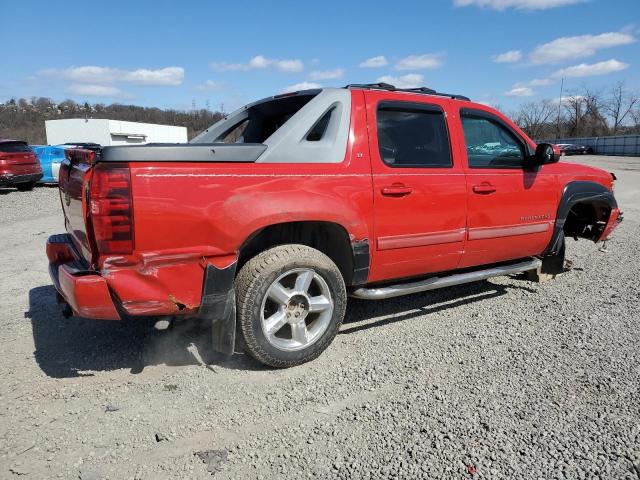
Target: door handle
x=484, y=188
x=396, y=190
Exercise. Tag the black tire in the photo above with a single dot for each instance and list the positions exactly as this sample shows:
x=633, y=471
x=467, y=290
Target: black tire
x=25, y=187
x=256, y=278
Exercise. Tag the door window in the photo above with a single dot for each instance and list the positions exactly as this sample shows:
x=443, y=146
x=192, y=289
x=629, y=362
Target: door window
x=490, y=144
x=413, y=135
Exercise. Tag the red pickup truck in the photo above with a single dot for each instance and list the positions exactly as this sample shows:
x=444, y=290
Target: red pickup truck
x=266, y=222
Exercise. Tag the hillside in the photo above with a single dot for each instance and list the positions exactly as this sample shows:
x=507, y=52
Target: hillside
x=24, y=119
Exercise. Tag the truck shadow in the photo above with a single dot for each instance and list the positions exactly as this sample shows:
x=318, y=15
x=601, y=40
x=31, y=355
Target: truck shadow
x=390, y=311
x=76, y=347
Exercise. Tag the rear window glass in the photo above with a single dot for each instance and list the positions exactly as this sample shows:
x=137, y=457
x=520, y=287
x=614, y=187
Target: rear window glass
x=262, y=120
x=413, y=135
x=14, y=147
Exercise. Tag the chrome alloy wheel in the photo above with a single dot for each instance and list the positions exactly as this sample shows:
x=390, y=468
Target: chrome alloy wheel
x=296, y=309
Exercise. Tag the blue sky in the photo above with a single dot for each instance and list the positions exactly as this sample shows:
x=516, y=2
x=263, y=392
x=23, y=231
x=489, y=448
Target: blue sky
x=168, y=54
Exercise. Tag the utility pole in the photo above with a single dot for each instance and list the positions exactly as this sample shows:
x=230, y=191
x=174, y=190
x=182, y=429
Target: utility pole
x=559, y=106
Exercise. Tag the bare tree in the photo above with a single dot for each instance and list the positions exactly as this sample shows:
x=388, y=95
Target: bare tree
x=593, y=122
x=534, y=118
x=574, y=109
x=620, y=106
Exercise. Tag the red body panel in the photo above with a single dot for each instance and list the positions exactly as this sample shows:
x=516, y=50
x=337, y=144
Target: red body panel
x=189, y=215
x=87, y=294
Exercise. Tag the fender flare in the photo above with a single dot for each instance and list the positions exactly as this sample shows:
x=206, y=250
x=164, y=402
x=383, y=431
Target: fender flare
x=573, y=193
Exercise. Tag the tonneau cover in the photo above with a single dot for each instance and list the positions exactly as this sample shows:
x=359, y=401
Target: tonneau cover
x=184, y=152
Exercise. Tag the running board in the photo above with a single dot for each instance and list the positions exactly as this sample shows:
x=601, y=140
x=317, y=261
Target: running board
x=380, y=293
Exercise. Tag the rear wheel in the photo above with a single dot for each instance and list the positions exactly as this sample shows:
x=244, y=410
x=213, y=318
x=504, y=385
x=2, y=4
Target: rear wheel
x=25, y=187
x=291, y=301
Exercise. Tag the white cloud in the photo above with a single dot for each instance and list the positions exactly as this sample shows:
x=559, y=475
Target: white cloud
x=93, y=74
x=327, y=74
x=289, y=65
x=411, y=80
x=209, y=86
x=89, y=90
x=536, y=82
x=566, y=99
x=301, y=86
x=519, y=92
x=590, y=70
x=570, y=48
x=540, y=82
x=163, y=76
x=374, y=62
x=508, y=57
x=419, y=62
x=260, y=62
x=518, y=4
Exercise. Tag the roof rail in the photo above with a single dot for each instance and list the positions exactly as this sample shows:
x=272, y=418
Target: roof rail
x=392, y=88
x=372, y=86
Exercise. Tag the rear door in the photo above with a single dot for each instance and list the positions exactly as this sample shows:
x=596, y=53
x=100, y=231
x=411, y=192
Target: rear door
x=511, y=208
x=418, y=186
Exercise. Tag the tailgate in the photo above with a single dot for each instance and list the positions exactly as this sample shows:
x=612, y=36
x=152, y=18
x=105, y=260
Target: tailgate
x=18, y=158
x=75, y=174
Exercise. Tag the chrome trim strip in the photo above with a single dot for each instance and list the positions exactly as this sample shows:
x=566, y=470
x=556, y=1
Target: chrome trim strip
x=508, y=231
x=420, y=239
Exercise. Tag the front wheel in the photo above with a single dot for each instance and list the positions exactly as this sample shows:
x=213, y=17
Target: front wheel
x=291, y=301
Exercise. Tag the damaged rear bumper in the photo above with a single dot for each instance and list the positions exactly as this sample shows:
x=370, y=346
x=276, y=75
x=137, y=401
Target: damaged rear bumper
x=147, y=289
x=85, y=291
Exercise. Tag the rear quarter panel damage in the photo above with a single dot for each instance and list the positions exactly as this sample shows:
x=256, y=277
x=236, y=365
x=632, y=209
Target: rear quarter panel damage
x=210, y=209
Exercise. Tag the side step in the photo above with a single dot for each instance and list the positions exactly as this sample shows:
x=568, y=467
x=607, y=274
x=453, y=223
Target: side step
x=433, y=283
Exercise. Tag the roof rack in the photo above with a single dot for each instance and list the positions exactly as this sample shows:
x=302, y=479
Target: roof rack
x=392, y=88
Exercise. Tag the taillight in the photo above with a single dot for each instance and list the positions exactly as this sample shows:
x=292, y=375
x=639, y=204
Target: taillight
x=111, y=209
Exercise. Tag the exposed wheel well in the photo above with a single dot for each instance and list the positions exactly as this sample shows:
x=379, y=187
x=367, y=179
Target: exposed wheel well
x=587, y=220
x=330, y=238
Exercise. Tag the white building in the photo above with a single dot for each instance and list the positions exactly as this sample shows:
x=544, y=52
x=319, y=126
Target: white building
x=111, y=132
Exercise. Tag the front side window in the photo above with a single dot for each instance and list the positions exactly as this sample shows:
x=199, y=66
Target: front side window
x=413, y=135
x=490, y=144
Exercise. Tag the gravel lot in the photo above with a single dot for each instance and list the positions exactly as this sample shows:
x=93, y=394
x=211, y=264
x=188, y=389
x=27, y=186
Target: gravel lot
x=499, y=379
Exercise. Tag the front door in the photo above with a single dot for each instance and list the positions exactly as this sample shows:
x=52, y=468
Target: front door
x=511, y=209
x=418, y=187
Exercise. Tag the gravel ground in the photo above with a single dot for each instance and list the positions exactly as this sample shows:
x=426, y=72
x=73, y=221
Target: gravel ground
x=499, y=379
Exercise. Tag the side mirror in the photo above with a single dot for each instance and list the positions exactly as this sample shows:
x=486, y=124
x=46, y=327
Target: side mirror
x=546, y=153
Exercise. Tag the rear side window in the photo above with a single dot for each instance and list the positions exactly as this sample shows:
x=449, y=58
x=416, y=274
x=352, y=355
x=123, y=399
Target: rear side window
x=14, y=147
x=490, y=144
x=413, y=135
x=320, y=128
